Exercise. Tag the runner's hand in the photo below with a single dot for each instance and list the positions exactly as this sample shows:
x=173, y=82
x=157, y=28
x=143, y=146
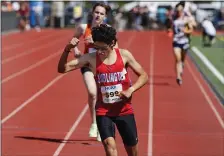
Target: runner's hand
x=72, y=44
x=127, y=93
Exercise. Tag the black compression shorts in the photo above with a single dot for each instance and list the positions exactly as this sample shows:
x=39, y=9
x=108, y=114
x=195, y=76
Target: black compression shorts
x=125, y=124
x=85, y=69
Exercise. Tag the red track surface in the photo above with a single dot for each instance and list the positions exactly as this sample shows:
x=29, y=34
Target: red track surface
x=185, y=120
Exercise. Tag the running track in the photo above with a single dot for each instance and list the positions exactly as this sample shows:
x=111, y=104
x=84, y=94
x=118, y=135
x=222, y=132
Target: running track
x=45, y=113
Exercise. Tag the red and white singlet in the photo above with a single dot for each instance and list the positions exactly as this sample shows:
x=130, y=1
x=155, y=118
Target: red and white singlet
x=110, y=80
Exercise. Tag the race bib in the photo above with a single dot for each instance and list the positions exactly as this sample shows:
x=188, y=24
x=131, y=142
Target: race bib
x=91, y=50
x=110, y=94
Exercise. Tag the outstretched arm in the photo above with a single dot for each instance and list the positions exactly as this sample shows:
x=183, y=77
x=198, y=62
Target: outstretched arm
x=64, y=66
x=78, y=33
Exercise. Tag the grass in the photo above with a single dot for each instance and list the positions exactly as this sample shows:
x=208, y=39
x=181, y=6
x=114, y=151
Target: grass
x=215, y=54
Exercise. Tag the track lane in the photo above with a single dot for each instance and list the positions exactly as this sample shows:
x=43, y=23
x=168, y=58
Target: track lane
x=42, y=124
x=16, y=38
x=181, y=125
x=24, y=62
x=184, y=124
x=20, y=88
x=34, y=44
x=202, y=83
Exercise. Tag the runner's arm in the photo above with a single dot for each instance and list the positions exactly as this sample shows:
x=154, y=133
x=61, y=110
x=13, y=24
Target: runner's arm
x=192, y=19
x=188, y=29
x=78, y=33
x=64, y=66
x=193, y=22
x=137, y=68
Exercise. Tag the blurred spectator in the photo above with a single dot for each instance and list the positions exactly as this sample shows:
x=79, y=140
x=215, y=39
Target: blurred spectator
x=6, y=6
x=38, y=12
x=78, y=13
x=23, y=16
x=58, y=14
x=209, y=32
x=145, y=17
x=220, y=19
x=169, y=20
x=15, y=6
x=117, y=19
x=161, y=15
x=47, y=13
x=137, y=11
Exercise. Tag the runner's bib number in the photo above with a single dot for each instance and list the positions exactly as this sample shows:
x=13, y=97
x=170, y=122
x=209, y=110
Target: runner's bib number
x=111, y=93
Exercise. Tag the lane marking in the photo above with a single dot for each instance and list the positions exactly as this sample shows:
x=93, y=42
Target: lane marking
x=208, y=64
x=206, y=96
x=151, y=100
x=71, y=131
x=33, y=97
x=31, y=67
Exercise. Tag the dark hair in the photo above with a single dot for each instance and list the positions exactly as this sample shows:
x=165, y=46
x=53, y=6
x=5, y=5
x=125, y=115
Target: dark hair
x=107, y=8
x=104, y=33
x=182, y=3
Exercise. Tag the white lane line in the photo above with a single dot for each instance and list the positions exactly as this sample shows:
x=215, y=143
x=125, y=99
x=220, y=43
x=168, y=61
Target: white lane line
x=151, y=100
x=72, y=129
x=32, y=50
x=33, y=97
x=208, y=64
x=13, y=46
x=31, y=67
x=211, y=104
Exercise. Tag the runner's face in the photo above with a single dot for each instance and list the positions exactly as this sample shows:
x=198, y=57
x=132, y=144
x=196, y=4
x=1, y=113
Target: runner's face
x=99, y=14
x=180, y=10
x=102, y=48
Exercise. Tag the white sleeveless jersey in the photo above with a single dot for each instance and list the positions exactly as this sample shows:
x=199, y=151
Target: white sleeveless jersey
x=209, y=27
x=179, y=36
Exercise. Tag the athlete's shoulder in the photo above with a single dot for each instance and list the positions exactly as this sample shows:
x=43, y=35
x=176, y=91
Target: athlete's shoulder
x=125, y=53
x=127, y=56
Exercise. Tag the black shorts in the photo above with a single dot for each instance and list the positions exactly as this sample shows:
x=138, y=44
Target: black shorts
x=184, y=46
x=85, y=69
x=125, y=124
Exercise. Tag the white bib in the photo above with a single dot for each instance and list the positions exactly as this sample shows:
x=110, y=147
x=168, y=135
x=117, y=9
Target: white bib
x=110, y=94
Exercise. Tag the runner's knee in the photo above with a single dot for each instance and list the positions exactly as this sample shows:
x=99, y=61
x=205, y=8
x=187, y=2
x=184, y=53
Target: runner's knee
x=110, y=145
x=92, y=95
